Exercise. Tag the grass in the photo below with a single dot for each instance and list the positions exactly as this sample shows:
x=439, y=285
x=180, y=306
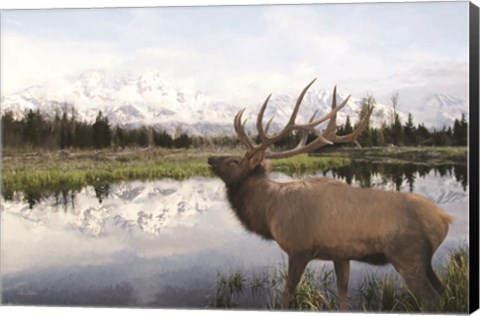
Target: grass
x=317, y=291
x=398, y=155
x=47, y=171
x=455, y=278
x=312, y=293
x=52, y=171
x=304, y=164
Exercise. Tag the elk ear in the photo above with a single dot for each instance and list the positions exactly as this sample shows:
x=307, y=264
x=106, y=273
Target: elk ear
x=256, y=159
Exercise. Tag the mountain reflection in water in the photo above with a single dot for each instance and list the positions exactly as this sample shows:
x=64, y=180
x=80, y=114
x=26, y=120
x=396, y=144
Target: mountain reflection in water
x=162, y=243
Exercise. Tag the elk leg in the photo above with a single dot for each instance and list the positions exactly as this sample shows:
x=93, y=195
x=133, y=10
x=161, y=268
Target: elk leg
x=417, y=278
x=296, y=267
x=424, y=290
x=342, y=272
x=434, y=280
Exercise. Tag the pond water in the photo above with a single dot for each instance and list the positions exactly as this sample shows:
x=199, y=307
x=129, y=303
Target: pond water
x=163, y=243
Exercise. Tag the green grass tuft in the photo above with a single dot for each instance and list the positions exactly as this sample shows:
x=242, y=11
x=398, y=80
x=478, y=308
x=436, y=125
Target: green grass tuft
x=304, y=164
x=317, y=290
x=455, y=279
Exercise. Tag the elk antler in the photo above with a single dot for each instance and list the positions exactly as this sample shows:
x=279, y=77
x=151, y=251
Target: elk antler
x=328, y=137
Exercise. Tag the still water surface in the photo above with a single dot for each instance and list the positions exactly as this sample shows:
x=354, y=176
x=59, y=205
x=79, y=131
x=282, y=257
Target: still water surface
x=162, y=243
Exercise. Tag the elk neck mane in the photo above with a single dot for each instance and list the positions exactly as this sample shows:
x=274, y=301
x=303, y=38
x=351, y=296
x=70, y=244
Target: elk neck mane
x=246, y=197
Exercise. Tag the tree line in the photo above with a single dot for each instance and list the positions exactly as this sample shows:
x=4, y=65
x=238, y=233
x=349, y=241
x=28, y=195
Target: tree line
x=35, y=129
x=407, y=134
x=64, y=131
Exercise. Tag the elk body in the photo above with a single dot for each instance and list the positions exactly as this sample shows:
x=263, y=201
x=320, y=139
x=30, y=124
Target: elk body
x=321, y=218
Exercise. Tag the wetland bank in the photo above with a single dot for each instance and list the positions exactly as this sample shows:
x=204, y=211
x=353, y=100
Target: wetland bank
x=151, y=227
x=38, y=170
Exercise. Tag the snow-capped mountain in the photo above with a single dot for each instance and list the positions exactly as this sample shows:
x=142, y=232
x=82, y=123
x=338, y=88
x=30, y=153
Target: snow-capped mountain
x=150, y=99
x=444, y=109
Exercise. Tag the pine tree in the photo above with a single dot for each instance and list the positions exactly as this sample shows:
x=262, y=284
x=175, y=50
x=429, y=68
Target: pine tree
x=422, y=136
x=365, y=138
x=163, y=139
x=182, y=141
x=64, y=132
x=142, y=138
x=101, y=131
x=460, y=132
x=32, y=132
x=83, y=135
x=347, y=128
x=12, y=131
x=397, y=131
x=409, y=131
x=440, y=138
x=119, y=137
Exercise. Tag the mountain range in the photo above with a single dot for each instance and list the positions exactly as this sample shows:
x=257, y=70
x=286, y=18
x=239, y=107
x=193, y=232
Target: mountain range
x=150, y=99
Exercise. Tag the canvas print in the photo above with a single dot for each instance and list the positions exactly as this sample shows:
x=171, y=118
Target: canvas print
x=295, y=157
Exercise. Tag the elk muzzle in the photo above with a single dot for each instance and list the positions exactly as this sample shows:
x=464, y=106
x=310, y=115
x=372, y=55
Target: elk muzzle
x=212, y=162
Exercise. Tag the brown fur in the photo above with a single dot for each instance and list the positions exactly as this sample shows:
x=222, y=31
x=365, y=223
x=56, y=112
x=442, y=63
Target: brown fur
x=325, y=219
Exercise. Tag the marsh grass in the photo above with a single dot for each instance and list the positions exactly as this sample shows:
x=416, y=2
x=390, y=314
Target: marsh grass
x=385, y=293
x=455, y=278
x=47, y=172
x=317, y=291
x=399, y=155
x=312, y=294
x=304, y=164
x=53, y=178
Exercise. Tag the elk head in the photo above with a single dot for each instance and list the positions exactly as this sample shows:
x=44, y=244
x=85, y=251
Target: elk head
x=235, y=169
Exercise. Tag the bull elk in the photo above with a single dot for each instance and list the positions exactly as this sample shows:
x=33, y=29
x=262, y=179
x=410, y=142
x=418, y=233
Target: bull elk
x=322, y=218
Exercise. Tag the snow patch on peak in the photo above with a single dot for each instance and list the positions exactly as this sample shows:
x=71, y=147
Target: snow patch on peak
x=149, y=98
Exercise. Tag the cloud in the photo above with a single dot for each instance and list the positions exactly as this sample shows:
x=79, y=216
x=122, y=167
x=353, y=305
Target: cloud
x=363, y=49
x=27, y=61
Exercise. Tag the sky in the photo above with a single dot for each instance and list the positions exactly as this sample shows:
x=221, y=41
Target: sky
x=243, y=53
